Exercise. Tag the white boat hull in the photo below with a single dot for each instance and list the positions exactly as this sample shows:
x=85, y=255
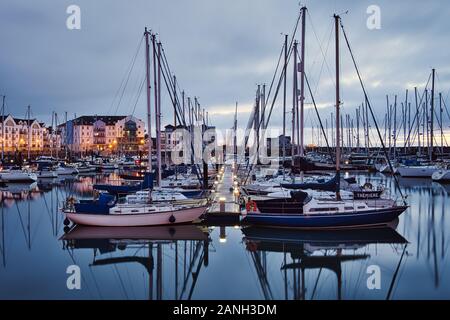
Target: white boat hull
x=187, y=215
x=417, y=172
x=441, y=176
x=17, y=177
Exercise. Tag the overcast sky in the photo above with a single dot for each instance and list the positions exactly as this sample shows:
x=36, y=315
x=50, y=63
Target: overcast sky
x=219, y=51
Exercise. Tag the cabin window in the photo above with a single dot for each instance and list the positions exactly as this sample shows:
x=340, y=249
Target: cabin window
x=361, y=207
x=348, y=208
x=323, y=209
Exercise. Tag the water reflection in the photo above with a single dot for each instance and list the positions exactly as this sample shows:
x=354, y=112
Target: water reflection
x=147, y=247
x=308, y=250
x=218, y=261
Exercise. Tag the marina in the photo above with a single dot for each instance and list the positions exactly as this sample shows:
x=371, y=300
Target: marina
x=182, y=262
x=309, y=173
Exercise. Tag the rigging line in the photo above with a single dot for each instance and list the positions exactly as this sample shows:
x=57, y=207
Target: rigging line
x=418, y=110
x=323, y=55
x=395, y=274
x=138, y=95
x=197, y=172
x=128, y=76
x=371, y=111
x=123, y=79
x=136, y=86
x=294, y=32
x=324, y=60
x=21, y=223
x=317, y=114
x=274, y=75
x=175, y=100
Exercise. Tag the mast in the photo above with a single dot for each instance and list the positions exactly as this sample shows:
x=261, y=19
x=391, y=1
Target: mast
x=3, y=129
x=29, y=134
x=234, y=135
x=395, y=127
x=149, y=119
x=157, y=81
x=357, y=129
x=418, y=120
x=65, y=126
x=294, y=102
x=426, y=119
x=442, y=124
x=302, y=83
x=338, y=144
x=284, y=99
x=432, y=115
x=405, y=121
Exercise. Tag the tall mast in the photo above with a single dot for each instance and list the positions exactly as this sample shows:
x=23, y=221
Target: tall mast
x=357, y=130
x=418, y=120
x=338, y=144
x=3, y=129
x=294, y=103
x=149, y=119
x=442, y=124
x=29, y=134
x=284, y=99
x=395, y=127
x=234, y=135
x=406, y=123
x=157, y=89
x=302, y=83
x=432, y=115
x=65, y=131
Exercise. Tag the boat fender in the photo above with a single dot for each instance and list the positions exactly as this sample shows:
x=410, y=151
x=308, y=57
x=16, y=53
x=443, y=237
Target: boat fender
x=252, y=246
x=250, y=206
x=66, y=222
x=172, y=219
x=241, y=202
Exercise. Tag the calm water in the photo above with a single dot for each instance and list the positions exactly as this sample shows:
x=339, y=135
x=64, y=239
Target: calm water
x=188, y=262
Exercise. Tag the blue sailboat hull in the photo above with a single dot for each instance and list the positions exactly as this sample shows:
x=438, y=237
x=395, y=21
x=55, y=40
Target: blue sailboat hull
x=378, y=217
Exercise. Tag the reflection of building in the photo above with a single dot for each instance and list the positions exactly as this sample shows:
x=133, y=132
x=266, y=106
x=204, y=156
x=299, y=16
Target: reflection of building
x=104, y=133
x=17, y=138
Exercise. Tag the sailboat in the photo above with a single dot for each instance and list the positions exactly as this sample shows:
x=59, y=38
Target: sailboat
x=17, y=175
x=304, y=212
x=106, y=211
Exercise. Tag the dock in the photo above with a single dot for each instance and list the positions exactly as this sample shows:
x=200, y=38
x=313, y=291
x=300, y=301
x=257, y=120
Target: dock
x=225, y=204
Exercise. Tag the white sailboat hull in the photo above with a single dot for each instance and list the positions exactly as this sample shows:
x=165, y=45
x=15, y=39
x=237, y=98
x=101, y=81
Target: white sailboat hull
x=186, y=215
x=417, y=172
x=441, y=176
x=19, y=176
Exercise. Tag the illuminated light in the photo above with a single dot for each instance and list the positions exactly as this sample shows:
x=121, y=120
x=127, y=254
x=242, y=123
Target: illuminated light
x=222, y=199
x=236, y=227
x=216, y=182
x=222, y=240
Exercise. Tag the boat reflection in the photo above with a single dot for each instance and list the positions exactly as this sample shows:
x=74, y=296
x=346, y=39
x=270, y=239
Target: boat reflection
x=302, y=251
x=154, y=248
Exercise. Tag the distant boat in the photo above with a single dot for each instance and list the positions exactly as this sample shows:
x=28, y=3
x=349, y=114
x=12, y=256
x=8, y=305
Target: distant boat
x=442, y=176
x=417, y=171
x=147, y=183
x=64, y=170
x=16, y=175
